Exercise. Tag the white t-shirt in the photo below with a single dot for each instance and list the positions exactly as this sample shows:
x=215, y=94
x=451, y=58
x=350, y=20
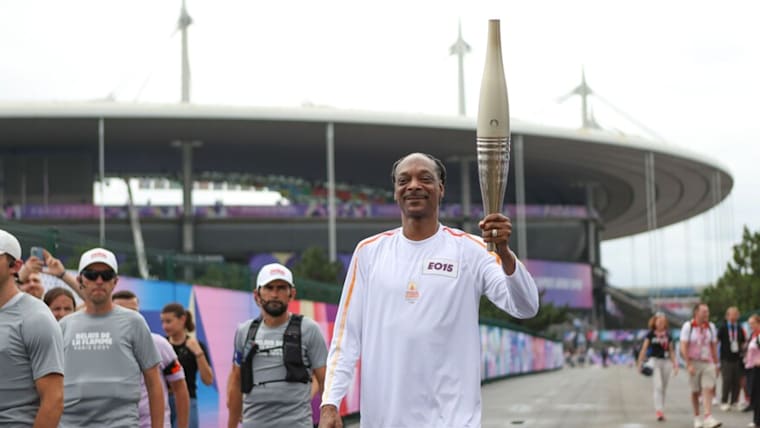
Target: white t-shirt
x=410, y=309
x=171, y=371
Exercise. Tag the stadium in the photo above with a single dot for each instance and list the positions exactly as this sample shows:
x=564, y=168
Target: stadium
x=574, y=187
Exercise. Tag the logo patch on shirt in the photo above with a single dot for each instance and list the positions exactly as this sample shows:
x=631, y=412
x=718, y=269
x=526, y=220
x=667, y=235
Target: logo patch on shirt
x=443, y=267
x=412, y=293
x=92, y=341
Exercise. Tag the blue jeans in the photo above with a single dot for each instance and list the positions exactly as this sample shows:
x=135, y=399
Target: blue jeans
x=193, y=421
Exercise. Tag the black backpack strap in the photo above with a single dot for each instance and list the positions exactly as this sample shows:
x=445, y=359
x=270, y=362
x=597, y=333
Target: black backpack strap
x=249, y=350
x=292, y=355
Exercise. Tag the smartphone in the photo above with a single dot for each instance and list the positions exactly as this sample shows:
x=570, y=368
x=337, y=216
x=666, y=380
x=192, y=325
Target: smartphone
x=39, y=253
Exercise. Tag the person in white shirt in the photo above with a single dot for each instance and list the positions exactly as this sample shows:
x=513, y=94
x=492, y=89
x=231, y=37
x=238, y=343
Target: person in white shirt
x=409, y=308
x=699, y=340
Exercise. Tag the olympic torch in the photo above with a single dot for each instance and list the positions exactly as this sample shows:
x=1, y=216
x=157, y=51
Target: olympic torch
x=493, y=127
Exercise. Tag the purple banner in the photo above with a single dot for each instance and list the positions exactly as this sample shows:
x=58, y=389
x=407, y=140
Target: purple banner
x=563, y=283
x=310, y=210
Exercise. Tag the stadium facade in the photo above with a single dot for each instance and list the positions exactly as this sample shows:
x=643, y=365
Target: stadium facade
x=573, y=188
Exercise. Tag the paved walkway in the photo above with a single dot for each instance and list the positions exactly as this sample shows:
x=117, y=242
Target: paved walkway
x=590, y=397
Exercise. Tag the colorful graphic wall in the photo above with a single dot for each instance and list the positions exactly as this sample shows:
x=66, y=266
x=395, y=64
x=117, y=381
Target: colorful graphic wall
x=506, y=352
x=217, y=313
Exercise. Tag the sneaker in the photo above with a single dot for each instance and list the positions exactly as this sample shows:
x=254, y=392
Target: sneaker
x=738, y=407
x=725, y=407
x=711, y=422
x=751, y=424
x=697, y=422
x=660, y=415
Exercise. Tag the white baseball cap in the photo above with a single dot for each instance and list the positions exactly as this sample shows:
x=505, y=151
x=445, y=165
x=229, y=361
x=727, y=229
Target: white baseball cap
x=274, y=271
x=98, y=255
x=9, y=245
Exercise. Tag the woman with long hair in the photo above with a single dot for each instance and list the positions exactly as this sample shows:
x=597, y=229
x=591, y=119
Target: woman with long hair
x=177, y=322
x=658, y=345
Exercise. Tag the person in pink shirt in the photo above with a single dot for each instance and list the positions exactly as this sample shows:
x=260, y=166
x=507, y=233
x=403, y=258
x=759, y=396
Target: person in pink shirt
x=752, y=362
x=699, y=340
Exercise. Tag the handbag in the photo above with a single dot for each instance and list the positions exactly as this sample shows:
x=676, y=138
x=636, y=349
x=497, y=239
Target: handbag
x=648, y=367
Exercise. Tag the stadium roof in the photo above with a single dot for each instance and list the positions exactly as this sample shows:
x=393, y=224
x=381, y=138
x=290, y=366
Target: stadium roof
x=291, y=141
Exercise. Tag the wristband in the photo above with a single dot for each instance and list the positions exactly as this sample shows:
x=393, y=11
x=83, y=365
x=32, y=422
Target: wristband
x=61, y=275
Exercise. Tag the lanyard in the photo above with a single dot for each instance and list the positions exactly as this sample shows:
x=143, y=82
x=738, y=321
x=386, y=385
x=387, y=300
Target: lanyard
x=732, y=332
x=702, y=337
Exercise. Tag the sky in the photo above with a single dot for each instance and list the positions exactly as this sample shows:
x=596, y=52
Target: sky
x=688, y=70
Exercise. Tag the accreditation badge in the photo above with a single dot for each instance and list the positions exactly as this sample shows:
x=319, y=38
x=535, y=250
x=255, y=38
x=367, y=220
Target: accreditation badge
x=734, y=346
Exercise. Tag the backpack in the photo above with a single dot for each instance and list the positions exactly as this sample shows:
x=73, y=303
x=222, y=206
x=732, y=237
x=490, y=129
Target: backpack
x=295, y=368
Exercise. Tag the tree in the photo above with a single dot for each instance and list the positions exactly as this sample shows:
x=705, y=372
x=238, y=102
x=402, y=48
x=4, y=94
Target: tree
x=224, y=275
x=740, y=284
x=548, y=315
x=315, y=265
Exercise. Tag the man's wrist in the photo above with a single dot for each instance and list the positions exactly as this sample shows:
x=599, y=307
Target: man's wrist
x=200, y=354
x=62, y=274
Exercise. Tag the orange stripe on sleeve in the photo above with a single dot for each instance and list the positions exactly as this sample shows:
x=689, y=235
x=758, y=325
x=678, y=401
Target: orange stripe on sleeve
x=342, y=327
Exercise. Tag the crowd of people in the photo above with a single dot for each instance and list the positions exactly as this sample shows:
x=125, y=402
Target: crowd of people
x=707, y=353
x=98, y=364
x=93, y=364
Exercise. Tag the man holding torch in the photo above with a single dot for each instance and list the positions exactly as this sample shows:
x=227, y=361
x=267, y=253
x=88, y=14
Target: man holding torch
x=410, y=301
x=410, y=309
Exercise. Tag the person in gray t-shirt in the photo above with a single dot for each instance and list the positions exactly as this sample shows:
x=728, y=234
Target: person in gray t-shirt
x=274, y=402
x=107, y=349
x=31, y=350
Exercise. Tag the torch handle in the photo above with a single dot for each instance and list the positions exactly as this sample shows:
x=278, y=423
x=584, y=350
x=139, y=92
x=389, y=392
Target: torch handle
x=493, y=172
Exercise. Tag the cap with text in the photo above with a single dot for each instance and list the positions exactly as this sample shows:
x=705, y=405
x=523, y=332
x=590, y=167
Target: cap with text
x=98, y=255
x=9, y=245
x=272, y=272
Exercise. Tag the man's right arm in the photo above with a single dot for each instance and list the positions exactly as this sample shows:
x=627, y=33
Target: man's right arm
x=345, y=346
x=234, y=397
x=684, y=345
x=56, y=268
x=156, y=403
x=181, y=402
x=44, y=341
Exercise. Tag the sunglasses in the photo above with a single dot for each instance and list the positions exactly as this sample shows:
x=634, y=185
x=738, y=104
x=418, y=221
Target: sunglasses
x=93, y=275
